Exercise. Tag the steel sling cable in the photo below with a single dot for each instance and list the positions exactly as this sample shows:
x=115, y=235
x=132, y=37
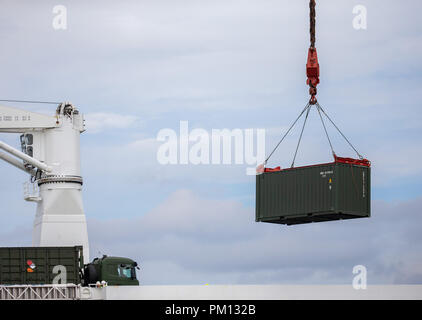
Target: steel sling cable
x=306, y=107
x=312, y=74
x=325, y=129
x=332, y=122
x=300, y=137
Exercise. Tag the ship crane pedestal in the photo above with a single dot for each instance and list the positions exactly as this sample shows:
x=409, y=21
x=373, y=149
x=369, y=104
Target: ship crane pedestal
x=50, y=154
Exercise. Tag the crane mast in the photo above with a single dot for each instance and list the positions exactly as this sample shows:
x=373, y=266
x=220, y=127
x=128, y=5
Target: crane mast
x=50, y=154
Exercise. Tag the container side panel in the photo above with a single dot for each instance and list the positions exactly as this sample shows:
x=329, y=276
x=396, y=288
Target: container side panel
x=36, y=265
x=294, y=192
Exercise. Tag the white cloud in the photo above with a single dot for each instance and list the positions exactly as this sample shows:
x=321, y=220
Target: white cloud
x=100, y=121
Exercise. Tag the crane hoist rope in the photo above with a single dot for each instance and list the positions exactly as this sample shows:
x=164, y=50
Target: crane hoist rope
x=312, y=73
x=312, y=65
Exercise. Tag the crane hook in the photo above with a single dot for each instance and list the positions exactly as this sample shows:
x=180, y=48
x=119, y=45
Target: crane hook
x=312, y=65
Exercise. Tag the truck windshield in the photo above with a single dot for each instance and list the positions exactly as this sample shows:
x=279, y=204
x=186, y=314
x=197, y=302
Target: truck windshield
x=125, y=271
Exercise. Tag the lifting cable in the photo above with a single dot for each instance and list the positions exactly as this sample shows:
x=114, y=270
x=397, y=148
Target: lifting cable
x=300, y=137
x=312, y=15
x=307, y=109
x=312, y=72
x=332, y=122
x=312, y=65
x=325, y=129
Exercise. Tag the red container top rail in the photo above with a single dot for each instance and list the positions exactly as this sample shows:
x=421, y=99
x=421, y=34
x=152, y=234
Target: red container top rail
x=351, y=161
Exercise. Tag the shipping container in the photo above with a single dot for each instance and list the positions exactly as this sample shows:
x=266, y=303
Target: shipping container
x=40, y=265
x=325, y=192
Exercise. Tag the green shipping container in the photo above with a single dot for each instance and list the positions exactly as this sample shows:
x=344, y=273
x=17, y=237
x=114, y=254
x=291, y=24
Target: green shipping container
x=326, y=192
x=40, y=265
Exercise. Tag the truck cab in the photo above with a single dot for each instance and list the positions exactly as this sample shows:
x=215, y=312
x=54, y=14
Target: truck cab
x=116, y=271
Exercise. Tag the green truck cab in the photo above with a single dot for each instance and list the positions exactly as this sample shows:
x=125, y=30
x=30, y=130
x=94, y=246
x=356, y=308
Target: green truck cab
x=116, y=271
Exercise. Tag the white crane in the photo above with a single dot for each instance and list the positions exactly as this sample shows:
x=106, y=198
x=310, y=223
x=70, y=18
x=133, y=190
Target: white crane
x=50, y=154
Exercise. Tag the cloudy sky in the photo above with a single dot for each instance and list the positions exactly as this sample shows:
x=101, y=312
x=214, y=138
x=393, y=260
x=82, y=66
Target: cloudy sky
x=136, y=67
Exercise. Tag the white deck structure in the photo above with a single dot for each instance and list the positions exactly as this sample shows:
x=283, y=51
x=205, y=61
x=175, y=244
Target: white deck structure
x=263, y=292
x=212, y=292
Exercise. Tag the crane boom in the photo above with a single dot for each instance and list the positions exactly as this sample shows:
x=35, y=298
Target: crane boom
x=16, y=120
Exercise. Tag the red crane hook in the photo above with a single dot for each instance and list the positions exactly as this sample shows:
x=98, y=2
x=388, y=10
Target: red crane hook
x=312, y=65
